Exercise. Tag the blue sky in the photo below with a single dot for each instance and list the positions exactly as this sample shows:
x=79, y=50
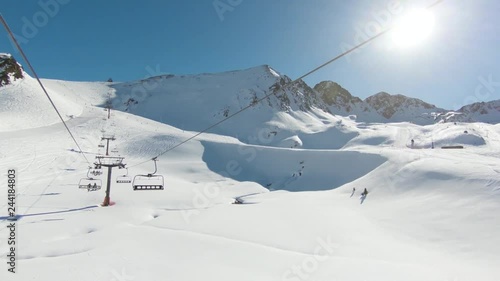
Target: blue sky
x=93, y=40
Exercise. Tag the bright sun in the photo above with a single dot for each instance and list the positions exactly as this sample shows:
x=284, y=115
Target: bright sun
x=413, y=28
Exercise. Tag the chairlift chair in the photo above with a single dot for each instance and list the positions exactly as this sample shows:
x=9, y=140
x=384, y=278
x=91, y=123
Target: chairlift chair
x=124, y=178
x=90, y=184
x=95, y=172
x=149, y=181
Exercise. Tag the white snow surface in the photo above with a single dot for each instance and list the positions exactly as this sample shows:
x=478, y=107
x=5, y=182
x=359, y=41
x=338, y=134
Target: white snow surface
x=431, y=214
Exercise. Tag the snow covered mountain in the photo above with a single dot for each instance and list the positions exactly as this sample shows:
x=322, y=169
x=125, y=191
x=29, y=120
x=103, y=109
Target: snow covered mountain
x=381, y=107
x=222, y=94
x=290, y=116
x=487, y=112
x=399, y=107
x=287, y=115
x=227, y=93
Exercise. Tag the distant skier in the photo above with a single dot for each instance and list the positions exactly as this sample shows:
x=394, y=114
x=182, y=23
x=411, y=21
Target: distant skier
x=412, y=143
x=365, y=192
x=353, y=191
x=363, y=196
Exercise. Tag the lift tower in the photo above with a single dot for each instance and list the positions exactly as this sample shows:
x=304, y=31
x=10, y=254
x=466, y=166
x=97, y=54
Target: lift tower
x=110, y=162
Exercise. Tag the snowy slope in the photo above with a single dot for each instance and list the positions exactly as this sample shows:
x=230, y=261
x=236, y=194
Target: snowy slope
x=431, y=214
x=24, y=105
x=195, y=102
x=445, y=227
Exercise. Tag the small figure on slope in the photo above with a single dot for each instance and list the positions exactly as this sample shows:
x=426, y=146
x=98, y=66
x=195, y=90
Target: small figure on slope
x=365, y=192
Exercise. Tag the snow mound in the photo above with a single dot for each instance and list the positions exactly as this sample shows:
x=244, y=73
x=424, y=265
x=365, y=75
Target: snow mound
x=315, y=129
x=449, y=135
x=291, y=142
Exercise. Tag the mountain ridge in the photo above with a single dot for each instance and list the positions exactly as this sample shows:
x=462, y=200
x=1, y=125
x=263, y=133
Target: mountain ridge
x=384, y=107
x=243, y=88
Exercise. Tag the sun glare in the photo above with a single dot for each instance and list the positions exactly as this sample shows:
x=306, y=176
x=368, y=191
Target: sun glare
x=413, y=28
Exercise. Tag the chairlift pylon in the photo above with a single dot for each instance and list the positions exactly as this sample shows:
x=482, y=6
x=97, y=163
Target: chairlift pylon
x=149, y=181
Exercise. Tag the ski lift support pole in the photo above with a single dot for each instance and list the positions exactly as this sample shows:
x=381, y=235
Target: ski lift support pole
x=107, y=139
x=110, y=163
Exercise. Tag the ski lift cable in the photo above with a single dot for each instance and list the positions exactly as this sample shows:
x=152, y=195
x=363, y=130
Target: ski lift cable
x=285, y=85
x=41, y=85
x=357, y=46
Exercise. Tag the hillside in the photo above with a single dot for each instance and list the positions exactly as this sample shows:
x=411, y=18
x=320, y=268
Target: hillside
x=488, y=112
x=24, y=105
x=289, y=117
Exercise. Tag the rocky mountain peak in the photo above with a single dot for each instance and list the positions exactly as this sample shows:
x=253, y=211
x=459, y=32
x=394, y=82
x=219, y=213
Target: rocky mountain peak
x=9, y=69
x=387, y=105
x=333, y=95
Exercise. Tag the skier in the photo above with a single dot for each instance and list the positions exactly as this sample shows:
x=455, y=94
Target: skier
x=412, y=143
x=365, y=192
